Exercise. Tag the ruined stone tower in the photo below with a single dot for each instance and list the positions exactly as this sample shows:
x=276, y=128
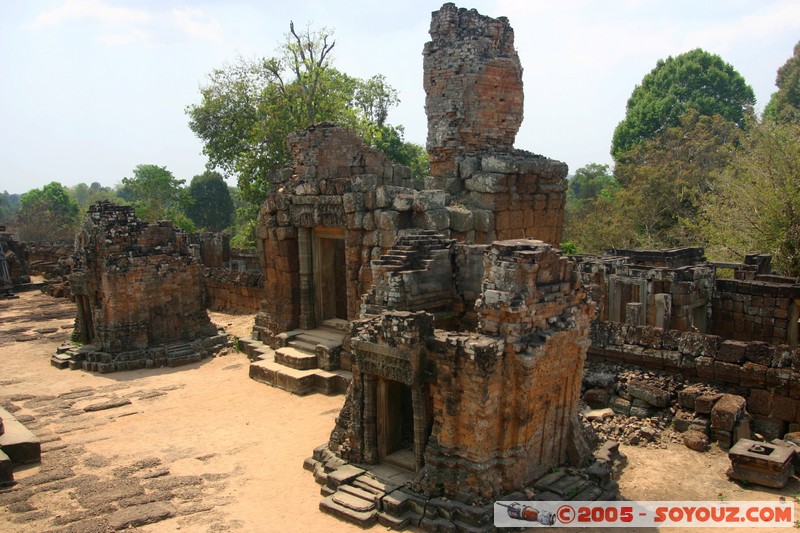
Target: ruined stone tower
x=473, y=86
x=138, y=290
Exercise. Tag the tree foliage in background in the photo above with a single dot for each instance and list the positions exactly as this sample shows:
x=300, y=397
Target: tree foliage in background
x=245, y=220
x=661, y=183
x=754, y=205
x=784, y=104
x=211, y=207
x=157, y=195
x=696, y=80
x=248, y=108
x=87, y=195
x=589, y=182
x=9, y=204
x=47, y=214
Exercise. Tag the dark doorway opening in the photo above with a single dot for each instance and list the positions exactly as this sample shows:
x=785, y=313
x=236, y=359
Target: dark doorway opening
x=396, y=424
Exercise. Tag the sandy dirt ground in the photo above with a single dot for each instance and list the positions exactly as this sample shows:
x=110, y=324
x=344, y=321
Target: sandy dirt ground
x=204, y=448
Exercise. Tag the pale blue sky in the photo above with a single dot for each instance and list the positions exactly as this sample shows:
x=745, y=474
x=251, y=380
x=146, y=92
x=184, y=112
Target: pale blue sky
x=92, y=88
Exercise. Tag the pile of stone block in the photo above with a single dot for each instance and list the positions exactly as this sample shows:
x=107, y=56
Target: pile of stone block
x=707, y=413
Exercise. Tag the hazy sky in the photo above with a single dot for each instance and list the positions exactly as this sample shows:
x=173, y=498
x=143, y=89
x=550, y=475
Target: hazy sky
x=92, y=88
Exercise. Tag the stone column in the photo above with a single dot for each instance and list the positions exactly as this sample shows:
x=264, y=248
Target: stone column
x=307, y=320
x=420, y=425
x=370, y=425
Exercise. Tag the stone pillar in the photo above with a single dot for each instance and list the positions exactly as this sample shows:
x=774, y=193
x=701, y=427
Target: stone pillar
x=633, y=313
x=663, y=310
x=307, y=320
x=420, y=423
x=370, y=422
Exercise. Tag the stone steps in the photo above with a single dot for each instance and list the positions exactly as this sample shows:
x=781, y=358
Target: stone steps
x=300, y=382
x=333, y=505
x=17, y=442
x=295, y=358
x=253, y=349
x=336, y=324
x=295, y=366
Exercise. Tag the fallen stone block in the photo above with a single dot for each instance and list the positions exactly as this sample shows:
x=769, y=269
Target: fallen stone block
x=761, y=463
x=695, y=440
x=687, y=396
x=704, y=403
x=726, y=412
x=111, y=404
x=17, y=442
x=649, y=393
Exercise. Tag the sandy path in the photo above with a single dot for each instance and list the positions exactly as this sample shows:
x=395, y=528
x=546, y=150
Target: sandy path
x=247, y=441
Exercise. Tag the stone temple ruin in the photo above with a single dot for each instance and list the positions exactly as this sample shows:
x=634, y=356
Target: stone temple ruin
x=461, y=330
x=444, y=312
x=140, y=303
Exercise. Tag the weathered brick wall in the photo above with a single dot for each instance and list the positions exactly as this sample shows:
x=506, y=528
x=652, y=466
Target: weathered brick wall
x=49, y=259
x=514, y=195
x=227, y=290
x=138, y=283
x=473, y=85
x=767, y=375
x=16, y=257
x=756, y=310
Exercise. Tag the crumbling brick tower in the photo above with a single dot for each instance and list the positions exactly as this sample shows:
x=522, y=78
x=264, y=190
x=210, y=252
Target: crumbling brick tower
x=474, y=103
x=137, y=285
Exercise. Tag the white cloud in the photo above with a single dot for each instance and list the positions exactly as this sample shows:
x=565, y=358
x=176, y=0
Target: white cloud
x=116, y=25
x=76, y=10
x=194, y=23
x=759, y=27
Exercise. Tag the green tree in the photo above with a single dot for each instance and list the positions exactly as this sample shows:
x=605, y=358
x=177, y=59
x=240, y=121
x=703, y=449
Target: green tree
x=590, y=181
x=248, y=108
x=157, y=195
x=9, y=204
x=211, y=207
x=754, y=204
x=666, y=177
x=47, y=214
x=696, y=80
x=784, y=104
x=87, y=195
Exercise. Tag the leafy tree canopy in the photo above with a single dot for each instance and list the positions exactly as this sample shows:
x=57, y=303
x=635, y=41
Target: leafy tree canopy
x=87, y=195
x=9, y=203
x=157, y=195
x=47, y=214
x=784, y=104
x=590, y=181
x=695, y=80
x=211, y=207
x=754, y=205
x=660, y=187
x=247, y=109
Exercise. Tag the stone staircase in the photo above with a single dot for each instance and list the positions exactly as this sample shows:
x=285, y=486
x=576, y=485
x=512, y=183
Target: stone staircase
x=307, y=360
x=383, y=494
